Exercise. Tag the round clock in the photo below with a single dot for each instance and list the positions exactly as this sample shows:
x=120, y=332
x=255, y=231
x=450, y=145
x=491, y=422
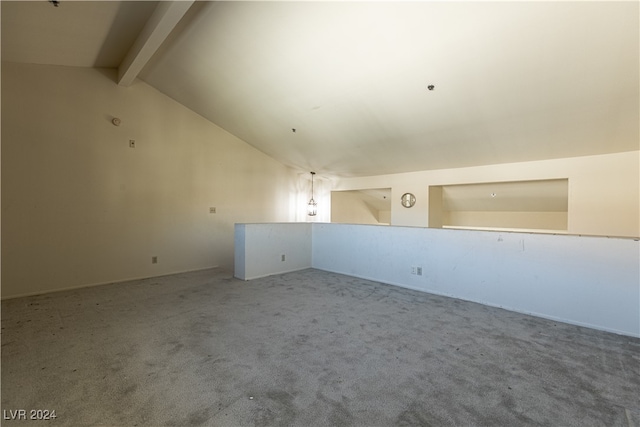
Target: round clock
x=408, y=200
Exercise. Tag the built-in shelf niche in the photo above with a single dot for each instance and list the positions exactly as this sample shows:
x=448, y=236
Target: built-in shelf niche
x=540, y=206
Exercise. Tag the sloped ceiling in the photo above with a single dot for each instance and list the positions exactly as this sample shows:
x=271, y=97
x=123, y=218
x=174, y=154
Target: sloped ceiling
x=378, y=199
x=77, y=34
x=341, y=88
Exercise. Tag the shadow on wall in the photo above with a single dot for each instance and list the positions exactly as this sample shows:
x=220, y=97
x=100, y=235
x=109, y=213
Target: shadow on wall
x=370, y=206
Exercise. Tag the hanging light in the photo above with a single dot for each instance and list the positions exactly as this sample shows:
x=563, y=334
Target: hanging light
x=312, y=208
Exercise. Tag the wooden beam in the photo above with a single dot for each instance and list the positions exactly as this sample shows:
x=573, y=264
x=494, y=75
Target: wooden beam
x=158, y=27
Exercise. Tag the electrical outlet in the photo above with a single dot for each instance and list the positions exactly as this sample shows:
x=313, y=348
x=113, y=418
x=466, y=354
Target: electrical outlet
x=212, y=210
x=154, y=260
x=132, y=143
x=419, y=271
x=282, y=257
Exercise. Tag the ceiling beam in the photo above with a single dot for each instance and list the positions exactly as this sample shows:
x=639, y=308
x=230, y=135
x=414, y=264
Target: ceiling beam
x=164, y=19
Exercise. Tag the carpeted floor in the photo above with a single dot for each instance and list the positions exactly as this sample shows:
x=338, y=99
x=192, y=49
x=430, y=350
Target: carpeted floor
x=308, y=348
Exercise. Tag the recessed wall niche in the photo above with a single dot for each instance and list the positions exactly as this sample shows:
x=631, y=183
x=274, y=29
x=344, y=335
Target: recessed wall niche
x=368, y=206
x=540, y=205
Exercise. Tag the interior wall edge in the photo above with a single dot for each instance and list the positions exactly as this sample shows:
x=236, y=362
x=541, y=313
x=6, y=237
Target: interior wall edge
x=93, y=285
x=488, y=303
x=589, y=281
x=86, y=200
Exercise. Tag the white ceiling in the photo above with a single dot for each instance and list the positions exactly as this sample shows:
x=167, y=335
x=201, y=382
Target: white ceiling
x=514, y=81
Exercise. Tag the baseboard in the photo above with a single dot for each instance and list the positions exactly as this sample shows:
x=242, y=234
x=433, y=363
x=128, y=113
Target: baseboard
x=91, y=285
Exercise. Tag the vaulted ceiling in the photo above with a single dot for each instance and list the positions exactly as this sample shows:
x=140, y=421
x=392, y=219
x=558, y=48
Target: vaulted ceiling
x=342, y=88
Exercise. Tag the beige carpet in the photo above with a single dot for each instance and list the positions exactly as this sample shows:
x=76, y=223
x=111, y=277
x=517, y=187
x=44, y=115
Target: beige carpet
x=308, y=348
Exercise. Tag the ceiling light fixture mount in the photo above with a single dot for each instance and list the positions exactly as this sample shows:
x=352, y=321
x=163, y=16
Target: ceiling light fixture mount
x=431, y=87
x=312, y=207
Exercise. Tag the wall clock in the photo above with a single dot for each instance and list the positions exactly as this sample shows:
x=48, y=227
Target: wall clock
x=408, y=200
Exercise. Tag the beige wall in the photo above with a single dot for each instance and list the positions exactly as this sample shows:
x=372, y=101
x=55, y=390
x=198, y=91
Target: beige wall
x=80, y=207
x=436, y=211
x=540, y=221
x=603, y=190
x=350, y=208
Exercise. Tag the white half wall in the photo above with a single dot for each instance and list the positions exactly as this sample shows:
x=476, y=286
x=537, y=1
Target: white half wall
x=587, y=281
x=267, y=249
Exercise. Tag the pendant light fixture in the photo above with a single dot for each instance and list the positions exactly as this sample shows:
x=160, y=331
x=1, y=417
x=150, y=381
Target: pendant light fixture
x=312, y=208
